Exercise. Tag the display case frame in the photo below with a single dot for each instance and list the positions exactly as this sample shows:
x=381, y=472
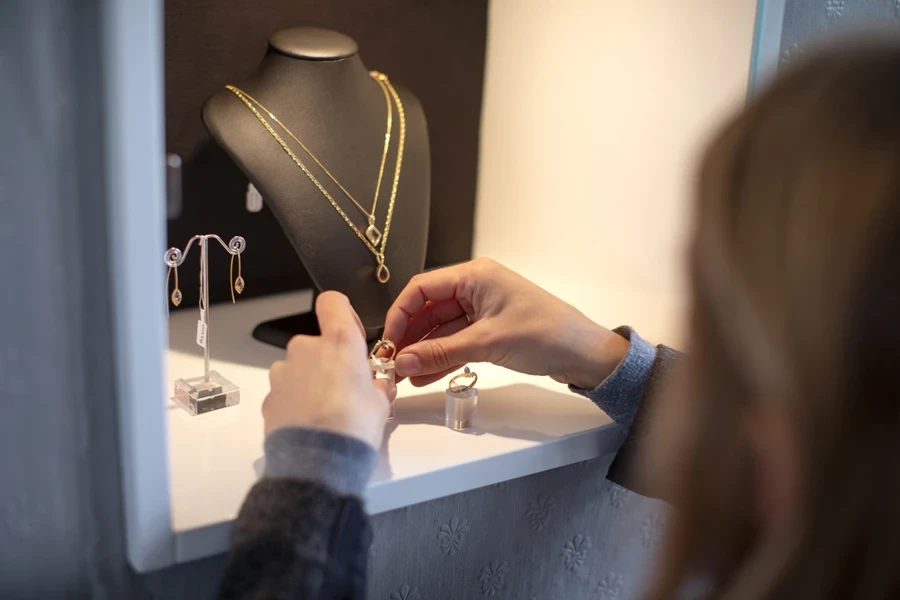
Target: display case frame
x=766, y=43
x=133, y=99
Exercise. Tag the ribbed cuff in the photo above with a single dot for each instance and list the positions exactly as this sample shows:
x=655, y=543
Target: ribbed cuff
x=339, y=462
x=620, y=394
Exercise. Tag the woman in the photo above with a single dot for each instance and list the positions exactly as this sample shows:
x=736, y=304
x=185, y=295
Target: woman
x=784, y=421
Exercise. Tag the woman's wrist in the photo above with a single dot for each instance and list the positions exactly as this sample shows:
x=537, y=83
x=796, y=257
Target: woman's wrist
x=601, y=352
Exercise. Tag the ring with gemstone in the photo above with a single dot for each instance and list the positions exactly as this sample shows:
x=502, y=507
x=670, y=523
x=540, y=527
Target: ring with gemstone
x=455, y=386
x=384, y=343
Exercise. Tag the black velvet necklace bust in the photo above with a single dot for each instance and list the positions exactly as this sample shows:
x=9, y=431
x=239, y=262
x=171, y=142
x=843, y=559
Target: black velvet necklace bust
x=314, y=81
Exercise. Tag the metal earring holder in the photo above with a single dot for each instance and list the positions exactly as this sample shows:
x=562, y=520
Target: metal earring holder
x=210, y=391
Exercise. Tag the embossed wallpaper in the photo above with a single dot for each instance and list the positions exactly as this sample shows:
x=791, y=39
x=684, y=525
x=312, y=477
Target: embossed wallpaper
x=806, y=21
x=562, y=534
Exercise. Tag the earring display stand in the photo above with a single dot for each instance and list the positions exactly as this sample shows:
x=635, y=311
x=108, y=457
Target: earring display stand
x=210, y=391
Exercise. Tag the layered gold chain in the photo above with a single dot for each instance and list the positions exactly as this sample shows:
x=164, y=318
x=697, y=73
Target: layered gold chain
x=382, y=272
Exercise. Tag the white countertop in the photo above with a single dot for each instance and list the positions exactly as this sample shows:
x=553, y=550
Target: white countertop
x=525, y=425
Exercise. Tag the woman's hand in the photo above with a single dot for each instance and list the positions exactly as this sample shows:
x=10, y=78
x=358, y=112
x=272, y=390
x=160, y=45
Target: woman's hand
x=325, y=381
x=483, y=312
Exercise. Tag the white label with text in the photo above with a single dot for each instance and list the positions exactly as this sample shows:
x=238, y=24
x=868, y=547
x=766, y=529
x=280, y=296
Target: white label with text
x=201, y=333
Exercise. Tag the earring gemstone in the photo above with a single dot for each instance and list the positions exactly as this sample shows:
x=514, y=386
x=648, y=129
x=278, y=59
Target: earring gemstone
x=176, y=297
x=239, y=284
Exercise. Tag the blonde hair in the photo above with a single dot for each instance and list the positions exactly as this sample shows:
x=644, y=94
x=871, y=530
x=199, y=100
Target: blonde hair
x=796, y=303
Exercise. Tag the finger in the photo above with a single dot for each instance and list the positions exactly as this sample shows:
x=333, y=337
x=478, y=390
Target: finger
x=266, y=405
x=444, y=330
x=431, y=317
x=429, y=379
x=276, y=371
x=298, y=344
x=436, y=355
x=435, y=286
x=449, y=328
x=336, y=317
x=389, y=389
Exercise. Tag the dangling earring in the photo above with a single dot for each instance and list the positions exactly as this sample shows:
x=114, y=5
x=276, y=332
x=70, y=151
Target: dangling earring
x=176, y=293
x=239, y=282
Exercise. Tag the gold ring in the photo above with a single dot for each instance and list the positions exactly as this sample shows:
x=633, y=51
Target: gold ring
x=384, y=343
x=467, y=374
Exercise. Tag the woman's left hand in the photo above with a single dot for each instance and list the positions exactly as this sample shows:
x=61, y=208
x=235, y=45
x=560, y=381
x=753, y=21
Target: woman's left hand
x=325, y=381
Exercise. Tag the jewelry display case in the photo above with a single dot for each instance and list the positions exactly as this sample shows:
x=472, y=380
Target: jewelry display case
x=185, y=476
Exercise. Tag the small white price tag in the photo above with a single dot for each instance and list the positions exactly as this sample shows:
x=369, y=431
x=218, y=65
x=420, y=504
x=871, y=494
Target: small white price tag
x=254, y=199
x=201, y=333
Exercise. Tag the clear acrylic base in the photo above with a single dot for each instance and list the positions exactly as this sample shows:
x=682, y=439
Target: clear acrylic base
x=383, y=368
x=460, y=409
x=199, y=395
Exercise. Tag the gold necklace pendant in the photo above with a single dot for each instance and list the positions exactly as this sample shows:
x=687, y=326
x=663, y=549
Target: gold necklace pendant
x=372, y=232
x=382, y=273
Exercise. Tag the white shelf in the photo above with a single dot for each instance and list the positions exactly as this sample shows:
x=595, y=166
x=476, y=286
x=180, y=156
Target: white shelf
x=525, y=425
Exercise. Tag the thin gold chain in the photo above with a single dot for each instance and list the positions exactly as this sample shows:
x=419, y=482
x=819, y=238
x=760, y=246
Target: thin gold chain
x=400, y=145
x=378, y=252
x=379, y=78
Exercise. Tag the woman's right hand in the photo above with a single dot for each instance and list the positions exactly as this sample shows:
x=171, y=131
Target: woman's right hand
x=483, y=312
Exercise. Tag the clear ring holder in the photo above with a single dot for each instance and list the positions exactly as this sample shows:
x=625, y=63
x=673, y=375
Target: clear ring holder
x=461, y=401
x=383, y=367
x=210, y=391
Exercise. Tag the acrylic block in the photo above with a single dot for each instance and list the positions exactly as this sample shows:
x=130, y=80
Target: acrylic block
x=383, y=368
x=199, y=395
x=460, y=409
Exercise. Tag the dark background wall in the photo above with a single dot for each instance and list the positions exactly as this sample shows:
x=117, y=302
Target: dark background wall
x=432, y=47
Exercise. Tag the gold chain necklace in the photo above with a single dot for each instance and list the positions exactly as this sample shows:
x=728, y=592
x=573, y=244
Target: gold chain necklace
x=382, y=272
x=372, y=232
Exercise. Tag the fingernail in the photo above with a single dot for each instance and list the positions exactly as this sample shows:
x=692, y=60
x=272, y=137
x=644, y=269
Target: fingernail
x=408, y=365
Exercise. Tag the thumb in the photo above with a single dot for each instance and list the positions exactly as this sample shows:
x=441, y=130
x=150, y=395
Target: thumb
x=440, y=354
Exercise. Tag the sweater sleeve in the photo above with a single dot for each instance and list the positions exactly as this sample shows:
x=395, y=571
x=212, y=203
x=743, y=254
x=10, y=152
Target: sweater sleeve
x=628, y=396
x=620, y=395
x=336, y=461
x=302, y=532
